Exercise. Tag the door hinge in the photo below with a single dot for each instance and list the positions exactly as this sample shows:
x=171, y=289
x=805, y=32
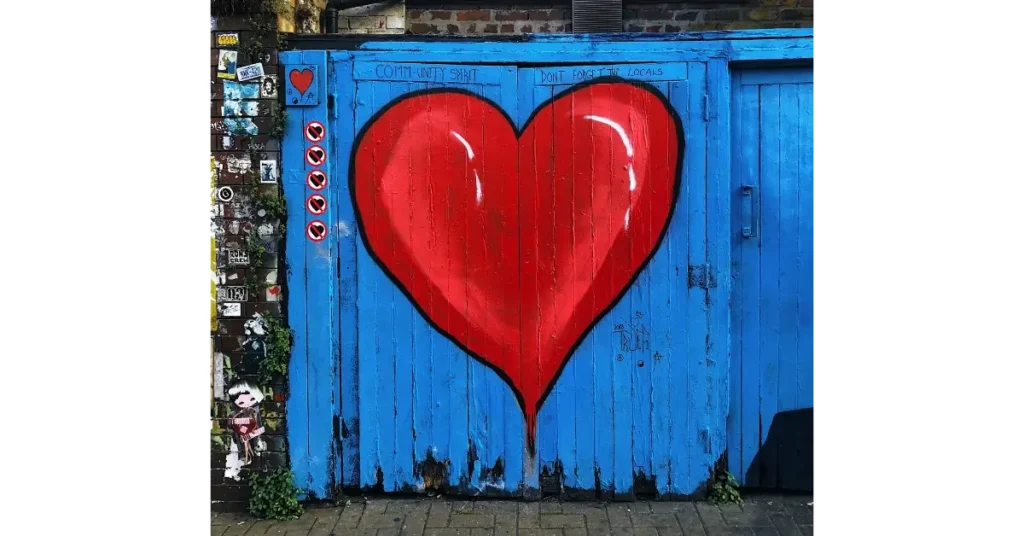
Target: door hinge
x=705, y=107
x=332, y=108
x=701, y=276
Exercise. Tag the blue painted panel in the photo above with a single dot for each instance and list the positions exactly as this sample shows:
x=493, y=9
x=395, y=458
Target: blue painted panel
x=406, y=395
x=574, y=74
x=769, y=444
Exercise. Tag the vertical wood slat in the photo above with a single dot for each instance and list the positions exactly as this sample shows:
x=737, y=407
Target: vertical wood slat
x=805, y=247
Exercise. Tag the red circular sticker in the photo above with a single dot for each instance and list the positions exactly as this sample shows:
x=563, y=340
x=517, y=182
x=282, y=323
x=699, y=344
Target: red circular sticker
x=316, y=230
x=314, y=131
x=316, y=179
x=316, y=204
x=316, y=155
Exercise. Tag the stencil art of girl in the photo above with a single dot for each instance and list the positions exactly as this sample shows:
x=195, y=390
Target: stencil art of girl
x=246, y=425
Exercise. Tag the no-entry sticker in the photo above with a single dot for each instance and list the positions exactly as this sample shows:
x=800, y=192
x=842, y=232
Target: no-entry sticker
x=316, y=230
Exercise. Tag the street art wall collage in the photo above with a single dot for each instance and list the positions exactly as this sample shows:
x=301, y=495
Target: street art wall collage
x=242, y=97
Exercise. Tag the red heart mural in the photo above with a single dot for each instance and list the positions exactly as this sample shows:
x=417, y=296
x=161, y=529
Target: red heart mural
x=514, y=245
x=301, y=79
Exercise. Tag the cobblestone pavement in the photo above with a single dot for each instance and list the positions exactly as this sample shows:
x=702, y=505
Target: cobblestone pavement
x=762, y=515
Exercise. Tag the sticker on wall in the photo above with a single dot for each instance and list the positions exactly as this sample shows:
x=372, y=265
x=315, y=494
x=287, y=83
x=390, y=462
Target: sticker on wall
x=268, y=87
x=314, y=131
x=226, y=64
x=231, y=310
x=235, y=91
x=300, y=89
x=227, y=39
x=246, y=428
x=225, y=194
x=236, y=127
x=316, y=204
x=315, y=231
x=273, y=293
x=268, y=171
x=316, y=179
x=232, y=294
x=316, y=155
x=234, y=108
x=238, y=257
x=250, y=72
x=218, y=376
x=239, y=165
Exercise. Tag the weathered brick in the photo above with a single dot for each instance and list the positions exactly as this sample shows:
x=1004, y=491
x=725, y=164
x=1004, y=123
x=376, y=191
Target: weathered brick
x=414, y=13
x=374, y=23
x=510, y=15
x=452, y=28
x=653, y=29
x=763, y=13
x=634, y=28
x=437, y=14
x=806, y=3
x=655, y=14
x=722, y=15
x=423, y=28
x=673, y=28
x=526, y=28
x=396, y=22
x=789, y=3
x=508, y=28
x=474, y=14
x=797, y=14
x=548, y=14
x=686, y=15
x=491, y=28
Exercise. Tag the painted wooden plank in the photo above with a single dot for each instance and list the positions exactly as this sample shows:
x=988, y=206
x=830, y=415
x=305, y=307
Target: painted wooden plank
x=478, y=75
x=345, y=231
x=296, y=409
x=443, y=358
x=748, y=172
x=698, y=403
x=541, y=198
x=789, y=205
x=562, y=195
x=369, y=343
x=659, y=316
x=775, y=76
x=580, y=477
x=574, y=74
x=676, y=245
x=459, y=395
x=321, y=274
x=736, y=270
x=769, y=303
x=805, y=247
x=402, y=375
x=719, y=246
x=386, y=338
x=527, y=101
x=508, y=438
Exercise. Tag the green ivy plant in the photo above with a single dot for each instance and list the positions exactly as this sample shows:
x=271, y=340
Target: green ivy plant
x=279, y=342
x=274, y=495
x=724, y=489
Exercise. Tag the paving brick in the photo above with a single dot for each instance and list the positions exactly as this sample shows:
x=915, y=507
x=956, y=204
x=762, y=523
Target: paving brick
x=540, y=532
x=297, y=532
x=439, y=512
x=259, y=527
x=236, y=530
x=471, y=520
x=230, y=518
x=808, y=530
x=382, y=521
x=655, y=520
x=710, y=515
x=785, y=525
x=376, y=508
x=389, y=532
x=350, y=516
x=765, y=531
x=481, y=532
x=217, y=530
x=574, y=532
x=495, y=507
x=552, y=521
x=803, y=515
x=529, y=516
x=689, y=522
x=747, y=518
x=730, y=531
x=414, y=524
x=446, y=532
x=550, y=507
x=359, y=532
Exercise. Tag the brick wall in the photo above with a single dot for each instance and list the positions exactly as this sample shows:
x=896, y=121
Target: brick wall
x=237, y=331
x=497, y=18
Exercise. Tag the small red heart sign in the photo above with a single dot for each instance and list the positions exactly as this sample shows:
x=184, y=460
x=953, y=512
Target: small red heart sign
x=301, y=80
x=515, y=244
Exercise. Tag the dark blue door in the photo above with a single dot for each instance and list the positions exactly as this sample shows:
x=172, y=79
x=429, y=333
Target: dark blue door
x=770, y=416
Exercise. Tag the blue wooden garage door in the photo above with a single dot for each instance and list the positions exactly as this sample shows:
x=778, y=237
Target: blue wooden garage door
x=771, y=398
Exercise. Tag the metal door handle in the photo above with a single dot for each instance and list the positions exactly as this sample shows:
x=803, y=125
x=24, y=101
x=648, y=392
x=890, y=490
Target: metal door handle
x=751, y=211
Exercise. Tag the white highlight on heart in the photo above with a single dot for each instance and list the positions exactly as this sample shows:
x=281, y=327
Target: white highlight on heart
x=465, y=143
x=626, y=219
x=479, y=188
x=618, y=128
